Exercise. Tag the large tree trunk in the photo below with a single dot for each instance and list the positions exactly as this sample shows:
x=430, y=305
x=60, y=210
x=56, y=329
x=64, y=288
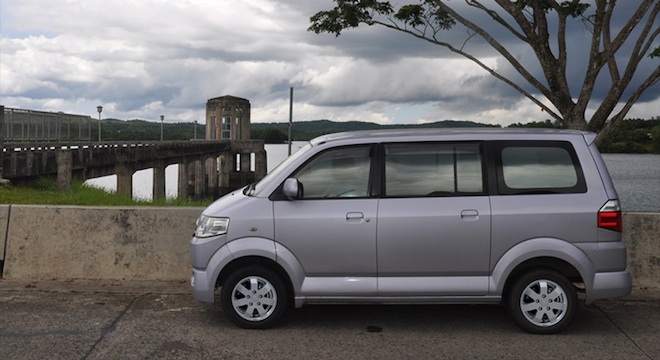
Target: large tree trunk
x=603, y=134
x=575, y=121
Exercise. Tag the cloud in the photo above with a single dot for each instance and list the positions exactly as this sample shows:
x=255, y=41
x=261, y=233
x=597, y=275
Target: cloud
x=146, y=58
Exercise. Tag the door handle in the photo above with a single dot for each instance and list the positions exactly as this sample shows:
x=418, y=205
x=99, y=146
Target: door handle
x=470, y=215
x=354, y=217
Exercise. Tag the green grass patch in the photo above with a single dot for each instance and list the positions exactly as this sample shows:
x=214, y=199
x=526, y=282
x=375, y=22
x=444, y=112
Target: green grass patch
x=44, y=191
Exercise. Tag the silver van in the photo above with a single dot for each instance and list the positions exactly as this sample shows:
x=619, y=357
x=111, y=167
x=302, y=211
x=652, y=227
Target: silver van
x=525, y=218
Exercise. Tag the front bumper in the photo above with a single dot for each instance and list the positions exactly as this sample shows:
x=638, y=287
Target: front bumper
x=202, y=289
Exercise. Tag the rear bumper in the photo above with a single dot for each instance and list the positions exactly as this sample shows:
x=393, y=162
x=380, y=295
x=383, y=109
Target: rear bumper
x=609, y=285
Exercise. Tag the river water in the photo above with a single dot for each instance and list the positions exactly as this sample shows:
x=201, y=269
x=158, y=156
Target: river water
x=636, y=177
x=637, y=180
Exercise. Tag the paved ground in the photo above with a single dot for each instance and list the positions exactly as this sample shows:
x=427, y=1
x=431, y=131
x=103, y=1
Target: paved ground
x=80, y=320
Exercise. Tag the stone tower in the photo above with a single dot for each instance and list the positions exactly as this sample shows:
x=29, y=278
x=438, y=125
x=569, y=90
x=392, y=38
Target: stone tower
x=228, y=118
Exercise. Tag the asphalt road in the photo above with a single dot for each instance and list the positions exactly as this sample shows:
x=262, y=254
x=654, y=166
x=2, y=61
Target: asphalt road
x=81, y=320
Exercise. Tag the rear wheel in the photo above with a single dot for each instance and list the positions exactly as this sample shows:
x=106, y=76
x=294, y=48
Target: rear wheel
x=254, y=298
x=542, y=302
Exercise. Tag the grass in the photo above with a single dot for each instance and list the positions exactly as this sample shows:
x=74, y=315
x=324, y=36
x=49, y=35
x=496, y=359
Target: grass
x=44, y=191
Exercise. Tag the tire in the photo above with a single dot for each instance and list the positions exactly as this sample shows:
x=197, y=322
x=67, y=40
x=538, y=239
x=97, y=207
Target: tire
x=543, y=302
x=254, y=298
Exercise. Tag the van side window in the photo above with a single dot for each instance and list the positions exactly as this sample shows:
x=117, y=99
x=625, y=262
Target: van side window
x=433, y=169
x=337, y=173
x=540, y=168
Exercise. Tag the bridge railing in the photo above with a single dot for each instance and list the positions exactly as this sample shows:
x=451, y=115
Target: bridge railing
x=30, y=125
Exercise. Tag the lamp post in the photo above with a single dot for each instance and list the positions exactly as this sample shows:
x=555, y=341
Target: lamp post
x=195, y=129
x=99, y=109
x=290, y=116
x=162, y=117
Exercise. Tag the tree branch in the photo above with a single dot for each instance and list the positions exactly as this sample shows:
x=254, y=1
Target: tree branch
x=476, y=61
x=614, y=121
x=558, y=93
x=607, y=43
x=495, y=16
x=596, y=61
x=641, y=48
x=500, y=49
x=620, y=39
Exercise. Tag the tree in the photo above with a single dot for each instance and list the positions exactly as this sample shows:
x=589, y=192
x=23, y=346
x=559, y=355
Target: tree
x=270, y=135
x=547, y=124
x=614, y=56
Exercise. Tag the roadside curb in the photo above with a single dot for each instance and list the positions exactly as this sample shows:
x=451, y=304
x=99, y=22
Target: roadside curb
x=104, y=286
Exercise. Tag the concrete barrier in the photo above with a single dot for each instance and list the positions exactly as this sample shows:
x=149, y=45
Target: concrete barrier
x=641, y=232
x=65, y=242
x=4, y=219
x=144, y=243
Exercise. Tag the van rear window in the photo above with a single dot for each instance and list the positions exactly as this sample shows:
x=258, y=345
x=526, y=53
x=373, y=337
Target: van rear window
x=548, y=167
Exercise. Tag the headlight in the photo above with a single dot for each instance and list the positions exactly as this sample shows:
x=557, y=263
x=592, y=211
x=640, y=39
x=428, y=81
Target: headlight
x=211, y=226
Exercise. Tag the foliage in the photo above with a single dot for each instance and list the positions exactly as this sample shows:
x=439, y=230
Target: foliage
x=270, y=135
x=547, y=124
x=44, y=191
x=120, y=130
x=541, y=27
x=655, y=53
x=632, y=136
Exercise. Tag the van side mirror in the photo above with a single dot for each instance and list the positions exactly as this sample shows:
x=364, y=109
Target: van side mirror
x=292, y=188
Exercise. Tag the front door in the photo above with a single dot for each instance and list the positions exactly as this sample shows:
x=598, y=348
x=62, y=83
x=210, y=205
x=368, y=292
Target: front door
x=331, y=228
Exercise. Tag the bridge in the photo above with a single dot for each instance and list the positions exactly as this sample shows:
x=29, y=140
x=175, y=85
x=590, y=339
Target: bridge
x=207, y=168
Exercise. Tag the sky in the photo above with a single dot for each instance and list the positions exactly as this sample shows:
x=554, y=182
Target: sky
x=141, y=59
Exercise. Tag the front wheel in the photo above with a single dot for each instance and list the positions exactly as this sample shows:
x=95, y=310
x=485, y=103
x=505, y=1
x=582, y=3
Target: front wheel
x=542, y=302
x=254, y=298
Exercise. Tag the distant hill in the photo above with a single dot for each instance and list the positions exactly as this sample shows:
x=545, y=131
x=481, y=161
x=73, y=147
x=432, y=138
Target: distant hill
x=126, y=130
x=306, y=130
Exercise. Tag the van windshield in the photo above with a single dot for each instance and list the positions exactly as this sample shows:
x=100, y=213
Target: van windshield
x=256, y=188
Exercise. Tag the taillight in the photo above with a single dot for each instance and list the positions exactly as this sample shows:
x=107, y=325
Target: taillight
x=609, y=216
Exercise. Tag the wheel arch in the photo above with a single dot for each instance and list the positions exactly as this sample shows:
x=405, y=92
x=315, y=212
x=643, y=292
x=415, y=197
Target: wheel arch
x=240, y=253
x=549, y=263
x=255, y=260
x=541, y=253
